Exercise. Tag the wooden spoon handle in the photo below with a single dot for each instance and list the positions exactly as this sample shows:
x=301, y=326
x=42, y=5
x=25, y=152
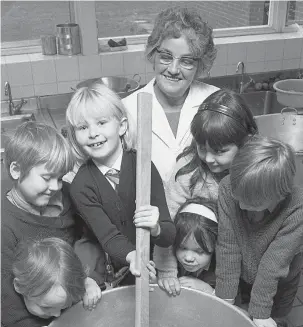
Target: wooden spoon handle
x=143, y=185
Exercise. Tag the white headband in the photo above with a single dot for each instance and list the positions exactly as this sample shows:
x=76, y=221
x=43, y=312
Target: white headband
x=201, y=210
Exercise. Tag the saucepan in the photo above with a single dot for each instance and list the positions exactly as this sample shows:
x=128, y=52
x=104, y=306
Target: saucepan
x=286, y=126
x=123, y=86
x=191, y=309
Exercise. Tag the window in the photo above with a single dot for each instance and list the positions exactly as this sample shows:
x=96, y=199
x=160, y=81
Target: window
x=294, y=12
x=120, y=18
x=28, y=20
x=23, y=22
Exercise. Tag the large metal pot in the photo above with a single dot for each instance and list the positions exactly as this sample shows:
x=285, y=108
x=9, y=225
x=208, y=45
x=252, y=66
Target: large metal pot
x=191, y=309
x=123, y=86
x=286, y=126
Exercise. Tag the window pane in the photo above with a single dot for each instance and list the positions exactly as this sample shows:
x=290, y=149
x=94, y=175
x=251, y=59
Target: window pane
x=118, y=18
x=294, y=12
x=28, y=20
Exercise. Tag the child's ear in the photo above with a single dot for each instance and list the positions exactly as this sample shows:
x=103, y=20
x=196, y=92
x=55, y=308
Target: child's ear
x=123, y=126
x=16, y=286
x=14, y=170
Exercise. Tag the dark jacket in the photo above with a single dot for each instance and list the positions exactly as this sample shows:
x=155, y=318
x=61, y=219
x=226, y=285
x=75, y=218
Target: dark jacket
x=16, y=226
x=109, y=214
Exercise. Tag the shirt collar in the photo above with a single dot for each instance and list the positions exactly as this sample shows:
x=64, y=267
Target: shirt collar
x=117, y=165
x=52, y=209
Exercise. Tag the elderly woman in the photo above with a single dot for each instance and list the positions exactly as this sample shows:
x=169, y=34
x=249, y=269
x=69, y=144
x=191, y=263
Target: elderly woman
x=181, y=49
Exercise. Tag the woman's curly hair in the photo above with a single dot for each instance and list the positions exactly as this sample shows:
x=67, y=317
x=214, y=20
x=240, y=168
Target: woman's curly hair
x=178, y=21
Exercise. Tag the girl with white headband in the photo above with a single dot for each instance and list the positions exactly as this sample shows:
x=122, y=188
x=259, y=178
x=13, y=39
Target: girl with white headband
x=194, y=245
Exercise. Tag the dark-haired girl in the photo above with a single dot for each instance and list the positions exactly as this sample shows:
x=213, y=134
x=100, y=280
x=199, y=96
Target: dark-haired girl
x=221, y=126
x=194, y=245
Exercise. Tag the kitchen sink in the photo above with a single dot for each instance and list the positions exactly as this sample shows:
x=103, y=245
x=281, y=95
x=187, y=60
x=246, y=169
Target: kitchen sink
x=10, y=123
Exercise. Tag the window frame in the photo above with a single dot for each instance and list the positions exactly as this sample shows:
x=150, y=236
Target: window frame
x=82, y=12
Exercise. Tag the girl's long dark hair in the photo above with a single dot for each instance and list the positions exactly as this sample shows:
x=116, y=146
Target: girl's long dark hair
x=217, y=130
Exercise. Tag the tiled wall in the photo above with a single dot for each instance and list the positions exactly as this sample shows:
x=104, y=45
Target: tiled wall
x=35, y=74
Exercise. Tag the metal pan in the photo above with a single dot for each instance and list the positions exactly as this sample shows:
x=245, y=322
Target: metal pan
x=286, y=126
x=123, y=86
x=191, y=308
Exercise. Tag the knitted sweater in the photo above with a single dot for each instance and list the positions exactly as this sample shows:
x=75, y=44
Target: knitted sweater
x=18, y=225
x=260, y=252
x=109, y=215
x=177, y=193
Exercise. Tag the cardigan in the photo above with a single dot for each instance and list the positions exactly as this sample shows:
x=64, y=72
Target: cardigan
x=165, y=145
x=177, y=193
x=260, y=252
x=109, y=214
x=18, y=225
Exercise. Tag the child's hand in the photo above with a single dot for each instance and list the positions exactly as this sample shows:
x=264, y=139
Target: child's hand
x=92, y=294
x=131, y=259
x=196, y=284
x=152, y=272
x=170, y=284
x=269, y=322
x=148, y=217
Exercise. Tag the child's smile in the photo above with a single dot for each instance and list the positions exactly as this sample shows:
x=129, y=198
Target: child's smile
x=217, y=160
x=99, y=138
x=38, y=186
x=96, y=145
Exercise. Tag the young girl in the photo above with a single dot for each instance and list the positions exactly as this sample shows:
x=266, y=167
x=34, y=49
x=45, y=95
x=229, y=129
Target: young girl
x=194, y=246
x=219, y=128
x=50, y=277
x=104, y=188
x=260, y=231
x=37, y=206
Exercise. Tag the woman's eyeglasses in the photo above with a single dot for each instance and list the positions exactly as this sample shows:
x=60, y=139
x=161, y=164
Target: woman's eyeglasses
x=167, y=58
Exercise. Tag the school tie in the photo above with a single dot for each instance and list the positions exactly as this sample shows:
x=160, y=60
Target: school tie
x=113, y=175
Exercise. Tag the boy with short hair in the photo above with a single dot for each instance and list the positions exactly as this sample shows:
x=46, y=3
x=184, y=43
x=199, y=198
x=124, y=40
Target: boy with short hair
x=46, y=294
x=260, y=231
x=37, y=206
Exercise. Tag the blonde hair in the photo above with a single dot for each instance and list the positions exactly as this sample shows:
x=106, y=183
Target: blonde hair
x=95, y=99
x=34, y=144
x=41, y=264
x=262, y=170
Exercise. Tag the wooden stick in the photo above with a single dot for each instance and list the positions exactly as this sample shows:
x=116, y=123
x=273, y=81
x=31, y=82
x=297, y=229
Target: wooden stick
x=143, y=185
